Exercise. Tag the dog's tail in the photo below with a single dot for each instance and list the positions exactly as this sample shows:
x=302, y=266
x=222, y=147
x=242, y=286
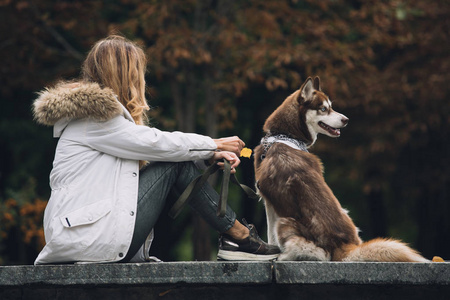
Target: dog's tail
x=295, y=247
x=383, y=250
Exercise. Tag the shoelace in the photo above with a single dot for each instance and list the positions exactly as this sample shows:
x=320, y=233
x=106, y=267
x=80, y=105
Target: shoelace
x=252, y=229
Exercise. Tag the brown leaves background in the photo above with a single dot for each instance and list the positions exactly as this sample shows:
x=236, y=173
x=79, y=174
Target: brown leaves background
x=220, y=68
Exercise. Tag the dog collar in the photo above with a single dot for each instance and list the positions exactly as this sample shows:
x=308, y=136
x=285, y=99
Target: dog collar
x=269, y=139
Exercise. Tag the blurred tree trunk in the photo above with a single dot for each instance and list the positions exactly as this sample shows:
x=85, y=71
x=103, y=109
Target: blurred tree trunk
x=375, y=201
x=185, y=107
x=185, y=104
x=202, y=245
x=201, y=236
x=377, y=210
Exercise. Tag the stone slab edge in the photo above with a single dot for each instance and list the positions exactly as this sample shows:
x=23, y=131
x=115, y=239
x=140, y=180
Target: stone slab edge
x=362, y=273
x=138, y=274
x=237, y=273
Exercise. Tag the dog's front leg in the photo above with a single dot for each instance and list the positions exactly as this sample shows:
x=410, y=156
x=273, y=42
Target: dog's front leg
x=271, y=218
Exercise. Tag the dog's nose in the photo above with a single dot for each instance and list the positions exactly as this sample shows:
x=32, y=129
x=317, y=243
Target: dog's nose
x=344, y=121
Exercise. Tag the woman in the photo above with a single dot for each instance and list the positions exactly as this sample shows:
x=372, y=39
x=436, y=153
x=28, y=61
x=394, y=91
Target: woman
x=105, y=196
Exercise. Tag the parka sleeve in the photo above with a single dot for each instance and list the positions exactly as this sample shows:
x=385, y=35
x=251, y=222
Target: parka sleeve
x=122, y=138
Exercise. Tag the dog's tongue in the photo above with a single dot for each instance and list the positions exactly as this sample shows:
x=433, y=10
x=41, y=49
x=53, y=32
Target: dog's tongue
x=335, y=131
x=331, y=130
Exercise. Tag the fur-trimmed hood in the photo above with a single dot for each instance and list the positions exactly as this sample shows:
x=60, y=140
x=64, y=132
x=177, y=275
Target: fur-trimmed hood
x=76, y=100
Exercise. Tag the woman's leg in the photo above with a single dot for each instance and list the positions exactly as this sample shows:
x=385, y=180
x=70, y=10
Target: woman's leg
x=156, y=182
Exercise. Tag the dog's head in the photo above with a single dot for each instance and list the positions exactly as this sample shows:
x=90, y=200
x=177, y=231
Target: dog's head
x=305, y=114
x=320, y=116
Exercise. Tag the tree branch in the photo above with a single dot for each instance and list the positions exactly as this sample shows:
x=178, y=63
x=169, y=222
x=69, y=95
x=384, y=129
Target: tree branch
x=58, y=37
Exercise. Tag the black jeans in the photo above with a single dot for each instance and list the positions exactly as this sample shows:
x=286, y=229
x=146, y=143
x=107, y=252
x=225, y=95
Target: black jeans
x=159, y=180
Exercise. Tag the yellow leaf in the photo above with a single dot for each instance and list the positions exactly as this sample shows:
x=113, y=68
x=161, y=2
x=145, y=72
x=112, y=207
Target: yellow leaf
x=437, y=259
x=246, y=152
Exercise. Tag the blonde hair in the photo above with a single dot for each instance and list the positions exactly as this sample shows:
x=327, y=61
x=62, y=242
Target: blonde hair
x=119, y=64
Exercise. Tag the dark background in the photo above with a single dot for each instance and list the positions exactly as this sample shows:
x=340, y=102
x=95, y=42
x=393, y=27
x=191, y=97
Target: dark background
x=219, y=68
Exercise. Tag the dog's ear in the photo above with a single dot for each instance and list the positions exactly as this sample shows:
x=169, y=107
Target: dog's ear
x=306, y=91
x=317, y=83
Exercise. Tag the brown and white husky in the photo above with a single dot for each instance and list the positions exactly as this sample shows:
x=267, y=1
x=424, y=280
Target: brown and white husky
x=304, y=217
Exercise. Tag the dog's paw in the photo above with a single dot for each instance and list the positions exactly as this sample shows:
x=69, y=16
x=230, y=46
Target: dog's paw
x=297, y=248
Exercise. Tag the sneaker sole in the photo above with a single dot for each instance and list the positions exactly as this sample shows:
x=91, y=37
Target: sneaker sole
x=236, y=255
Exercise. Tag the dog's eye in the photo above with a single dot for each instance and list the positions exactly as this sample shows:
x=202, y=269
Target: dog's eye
x=323, y=109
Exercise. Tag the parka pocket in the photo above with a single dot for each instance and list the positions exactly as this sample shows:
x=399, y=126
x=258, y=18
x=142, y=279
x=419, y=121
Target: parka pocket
x=87, y=214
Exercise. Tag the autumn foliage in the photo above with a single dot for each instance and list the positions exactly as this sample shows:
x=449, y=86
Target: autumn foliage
x=21, y=221
x=220, y=68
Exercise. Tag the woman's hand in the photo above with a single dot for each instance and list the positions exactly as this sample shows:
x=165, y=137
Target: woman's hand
x=230, y=156
x=232, y=144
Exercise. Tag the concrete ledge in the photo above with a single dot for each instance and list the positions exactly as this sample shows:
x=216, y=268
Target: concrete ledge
x=138, y=274
x=362, y=273
x=228, y=280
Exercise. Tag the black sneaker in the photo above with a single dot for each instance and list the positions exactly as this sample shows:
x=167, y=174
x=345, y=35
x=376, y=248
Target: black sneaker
x=251, y=248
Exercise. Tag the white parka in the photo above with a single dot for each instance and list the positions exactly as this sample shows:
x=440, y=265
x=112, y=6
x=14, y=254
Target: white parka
x=91, y=213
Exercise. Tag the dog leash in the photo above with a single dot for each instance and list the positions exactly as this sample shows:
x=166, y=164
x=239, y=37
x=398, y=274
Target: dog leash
x=194, y=187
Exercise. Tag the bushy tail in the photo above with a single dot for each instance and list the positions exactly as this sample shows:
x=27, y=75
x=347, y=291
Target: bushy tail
x=384, y=250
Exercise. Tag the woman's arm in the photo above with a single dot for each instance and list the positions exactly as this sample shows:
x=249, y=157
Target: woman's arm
x=233, y=144
x=122, y=138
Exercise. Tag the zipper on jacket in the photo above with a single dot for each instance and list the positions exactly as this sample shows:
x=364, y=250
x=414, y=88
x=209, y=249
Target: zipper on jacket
x=204, y=150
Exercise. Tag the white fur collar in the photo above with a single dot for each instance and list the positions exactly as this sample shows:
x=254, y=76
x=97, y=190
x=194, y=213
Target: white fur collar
x=76, y=100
